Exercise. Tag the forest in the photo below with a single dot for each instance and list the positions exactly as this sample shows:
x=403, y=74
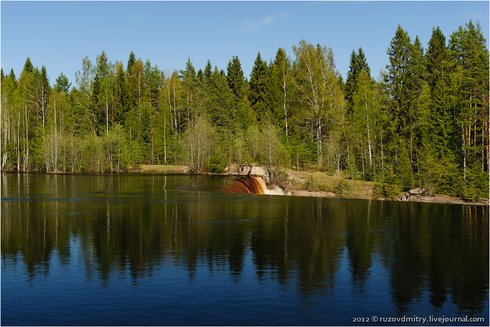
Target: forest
x=422, y=122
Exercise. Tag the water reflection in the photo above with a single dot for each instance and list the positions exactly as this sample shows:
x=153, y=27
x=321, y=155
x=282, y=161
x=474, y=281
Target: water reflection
x=139, y=224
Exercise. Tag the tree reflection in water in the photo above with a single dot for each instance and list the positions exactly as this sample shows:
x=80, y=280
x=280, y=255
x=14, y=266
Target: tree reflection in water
x=138, y=224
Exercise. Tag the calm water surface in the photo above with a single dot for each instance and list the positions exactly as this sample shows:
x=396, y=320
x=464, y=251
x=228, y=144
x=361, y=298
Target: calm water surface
x=175, y=250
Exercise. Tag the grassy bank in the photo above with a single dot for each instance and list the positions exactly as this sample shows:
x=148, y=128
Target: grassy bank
x=321, y=184
x=159, y=169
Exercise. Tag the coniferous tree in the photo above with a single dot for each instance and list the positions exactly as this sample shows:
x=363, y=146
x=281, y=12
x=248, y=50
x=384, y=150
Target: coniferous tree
x=404, y=85
x=222, y=108
x=62, y=83
x=208, y=71
x=258, y=85
x=131, y=61
x=468, y=49
x=189, y=82
x=44, y=91
x=120, y=104
x=358, y=64
x=279, y=90
x=235, y=78
x=426, y=123
x=441, y=116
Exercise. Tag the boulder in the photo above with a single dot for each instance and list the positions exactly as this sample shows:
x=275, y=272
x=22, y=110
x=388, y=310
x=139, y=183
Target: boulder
x=254, y=170
x=417, y=191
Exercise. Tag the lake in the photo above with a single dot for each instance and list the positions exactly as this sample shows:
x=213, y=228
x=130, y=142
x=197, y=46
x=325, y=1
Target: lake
x=177, y=250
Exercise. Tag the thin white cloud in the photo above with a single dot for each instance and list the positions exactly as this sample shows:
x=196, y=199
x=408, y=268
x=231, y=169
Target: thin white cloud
x=256, y=25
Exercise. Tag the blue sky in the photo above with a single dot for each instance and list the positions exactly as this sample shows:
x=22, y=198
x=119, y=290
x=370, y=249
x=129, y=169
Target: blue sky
x=60, y=34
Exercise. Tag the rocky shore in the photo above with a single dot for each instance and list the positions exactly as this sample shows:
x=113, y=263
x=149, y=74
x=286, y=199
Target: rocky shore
x=313, y=184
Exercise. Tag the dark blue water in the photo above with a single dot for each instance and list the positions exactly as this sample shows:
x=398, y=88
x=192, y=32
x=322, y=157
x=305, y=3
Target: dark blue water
x=174, y=250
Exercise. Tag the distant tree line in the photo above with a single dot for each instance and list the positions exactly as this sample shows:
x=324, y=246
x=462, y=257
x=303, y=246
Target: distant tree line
x=424, y=122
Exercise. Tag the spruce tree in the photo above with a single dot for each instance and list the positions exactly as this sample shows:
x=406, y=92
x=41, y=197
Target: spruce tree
x=258, y=85
x=28, y=68
x=208, y=72
x=358, y=64
x=397, y=74
x=222, y=108
x=121, y=106
x=44, y=92
x=12, y=74
x=441, y=117
x=235, y=78
x=278, y=90
x=131, y=61
x=189, y=81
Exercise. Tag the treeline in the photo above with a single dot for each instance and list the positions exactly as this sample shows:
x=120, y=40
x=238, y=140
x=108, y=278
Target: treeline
x=424, y=122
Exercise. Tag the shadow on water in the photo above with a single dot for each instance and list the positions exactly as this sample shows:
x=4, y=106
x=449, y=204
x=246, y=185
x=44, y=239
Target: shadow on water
x=139, y=224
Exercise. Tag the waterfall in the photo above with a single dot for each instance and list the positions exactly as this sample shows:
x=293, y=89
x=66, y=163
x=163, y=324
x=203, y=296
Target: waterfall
x=251, y=185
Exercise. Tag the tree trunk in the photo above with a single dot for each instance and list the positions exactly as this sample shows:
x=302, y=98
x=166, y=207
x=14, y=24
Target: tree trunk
x=464, y=152
x=164, y=138
x=106, y=113
x=55, y=138
x=284, y=98
x=368, y=133
x=18, y=141
x=382, y=159
x=26, y=158
x=319, y=141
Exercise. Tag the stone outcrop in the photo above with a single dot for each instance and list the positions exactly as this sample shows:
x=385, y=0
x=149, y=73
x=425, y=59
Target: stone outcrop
x=253, y=170
x=261, y=176
x=418, y=191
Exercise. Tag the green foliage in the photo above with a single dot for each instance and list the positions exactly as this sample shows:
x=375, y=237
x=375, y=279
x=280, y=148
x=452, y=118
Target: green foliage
x=258, y=88
x=62, y=83
x=475, y=186
x=425, y=124
x=235, y=78
x=342, y=188
x=199, y=145
x=358, y=64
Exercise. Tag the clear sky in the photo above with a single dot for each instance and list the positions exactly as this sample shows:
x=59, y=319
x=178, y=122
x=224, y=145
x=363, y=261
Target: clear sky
x=60, y=34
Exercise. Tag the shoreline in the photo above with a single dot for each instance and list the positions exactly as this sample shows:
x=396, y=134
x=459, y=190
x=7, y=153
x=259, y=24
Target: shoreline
x=327, y=186
x=438, y=198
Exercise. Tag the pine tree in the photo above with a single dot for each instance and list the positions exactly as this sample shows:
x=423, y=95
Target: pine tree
x=62, y=83
x=103, y=65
